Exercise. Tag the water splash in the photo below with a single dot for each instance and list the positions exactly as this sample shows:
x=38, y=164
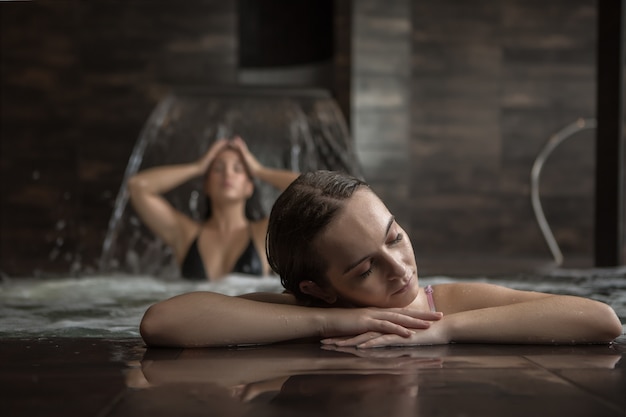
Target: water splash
x=301, y=130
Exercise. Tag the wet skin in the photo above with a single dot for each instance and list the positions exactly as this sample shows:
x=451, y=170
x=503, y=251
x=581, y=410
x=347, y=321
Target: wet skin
x=369, y=256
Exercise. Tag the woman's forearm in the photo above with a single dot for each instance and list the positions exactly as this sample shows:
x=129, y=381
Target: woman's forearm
x=209, y=319
x=160, y=180
x=555, y=319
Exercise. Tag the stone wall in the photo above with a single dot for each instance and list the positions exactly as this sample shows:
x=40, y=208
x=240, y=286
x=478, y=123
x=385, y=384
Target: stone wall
x=450, y=102
x=454, y=100
x=79, y=79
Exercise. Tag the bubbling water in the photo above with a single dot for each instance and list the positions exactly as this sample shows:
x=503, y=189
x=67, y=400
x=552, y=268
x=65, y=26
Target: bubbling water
x=112, y=306
x=100, y=306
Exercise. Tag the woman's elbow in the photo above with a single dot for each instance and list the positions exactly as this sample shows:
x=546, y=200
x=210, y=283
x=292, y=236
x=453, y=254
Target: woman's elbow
x=609, y=325
x=135, y=185
x=153, y=327
x=616, y=329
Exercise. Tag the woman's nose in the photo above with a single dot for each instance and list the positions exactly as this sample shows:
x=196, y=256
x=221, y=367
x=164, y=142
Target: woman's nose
x=397, y=269
x=228, y=171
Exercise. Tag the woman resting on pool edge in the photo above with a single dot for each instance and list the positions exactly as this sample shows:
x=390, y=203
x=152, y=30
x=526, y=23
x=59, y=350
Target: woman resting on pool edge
x=351, y=280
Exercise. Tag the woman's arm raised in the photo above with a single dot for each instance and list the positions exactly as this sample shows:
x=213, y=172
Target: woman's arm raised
x=161, y=179
x=200, y=319
x=279, y=178
x=146, y=188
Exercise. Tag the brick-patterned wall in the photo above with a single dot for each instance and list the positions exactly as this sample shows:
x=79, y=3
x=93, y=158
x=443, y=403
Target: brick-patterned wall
x=490, y=84
x=450, y=102
x=78, y=81
x=381, y=79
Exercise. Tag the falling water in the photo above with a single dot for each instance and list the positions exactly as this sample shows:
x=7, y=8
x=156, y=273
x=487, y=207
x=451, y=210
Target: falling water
x=300, y=130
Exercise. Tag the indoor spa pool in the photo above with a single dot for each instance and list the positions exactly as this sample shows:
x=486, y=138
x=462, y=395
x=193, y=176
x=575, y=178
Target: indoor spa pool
x=112, y=306
x=71, y=347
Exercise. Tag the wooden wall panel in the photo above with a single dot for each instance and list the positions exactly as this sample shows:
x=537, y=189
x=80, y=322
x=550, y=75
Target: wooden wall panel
x=380, y=97
x=79, y=79
x=450, y=102
x=491, y=83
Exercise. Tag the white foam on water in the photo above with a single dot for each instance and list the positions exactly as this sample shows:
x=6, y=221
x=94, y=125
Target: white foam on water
x=112, y=306
x=100, y=305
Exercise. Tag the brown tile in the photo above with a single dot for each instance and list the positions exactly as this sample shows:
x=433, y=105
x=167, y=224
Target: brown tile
x=113, y=378
x=285, y=380
x=63, y=377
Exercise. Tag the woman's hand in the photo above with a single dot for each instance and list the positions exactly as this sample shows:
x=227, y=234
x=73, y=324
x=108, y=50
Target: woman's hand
x=252, y=163
x=434, y=334
x=276, y=177
x=427, y=354
x=205, y=161
x=363, y=321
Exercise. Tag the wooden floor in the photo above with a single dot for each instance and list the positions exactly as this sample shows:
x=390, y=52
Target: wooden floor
x=120, y=377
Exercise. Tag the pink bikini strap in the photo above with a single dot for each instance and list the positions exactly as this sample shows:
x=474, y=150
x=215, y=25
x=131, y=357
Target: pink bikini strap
x=429, y=295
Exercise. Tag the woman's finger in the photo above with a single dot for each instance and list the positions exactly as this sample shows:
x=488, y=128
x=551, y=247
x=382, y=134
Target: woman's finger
x=423, y=315
x=382, y=341
x=389, y=320
x=352, y=341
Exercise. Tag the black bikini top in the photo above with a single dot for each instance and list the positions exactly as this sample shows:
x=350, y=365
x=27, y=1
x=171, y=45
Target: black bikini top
x=248, y=263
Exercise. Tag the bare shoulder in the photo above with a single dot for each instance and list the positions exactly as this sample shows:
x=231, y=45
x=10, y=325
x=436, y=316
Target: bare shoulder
x=259, y=229
x=187, y=231
x=188, y=226
x=463, y=296
x=260, y=226
x=274, y=298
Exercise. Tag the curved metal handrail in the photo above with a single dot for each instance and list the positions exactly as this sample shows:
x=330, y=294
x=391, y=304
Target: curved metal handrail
x=556, y=139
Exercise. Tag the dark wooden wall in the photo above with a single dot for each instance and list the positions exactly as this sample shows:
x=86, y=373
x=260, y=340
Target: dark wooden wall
x=79, y=79
x=490, y=86
x=479, y=87
x=450, y=101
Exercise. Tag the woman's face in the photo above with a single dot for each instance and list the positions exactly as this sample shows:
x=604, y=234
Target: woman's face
x=227, y=178
x=370, y=258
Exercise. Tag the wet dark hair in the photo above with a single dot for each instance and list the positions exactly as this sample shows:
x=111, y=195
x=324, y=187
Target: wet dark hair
x=298, y=216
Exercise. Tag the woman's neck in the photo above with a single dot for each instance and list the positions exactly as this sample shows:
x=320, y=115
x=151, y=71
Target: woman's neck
x=227, y=218
x=420, y=302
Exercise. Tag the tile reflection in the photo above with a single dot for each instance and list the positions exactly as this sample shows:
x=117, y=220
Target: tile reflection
x=306, y=379
x=296, y=377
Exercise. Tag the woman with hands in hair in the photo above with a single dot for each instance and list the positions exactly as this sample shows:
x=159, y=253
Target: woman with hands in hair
x=228, y=240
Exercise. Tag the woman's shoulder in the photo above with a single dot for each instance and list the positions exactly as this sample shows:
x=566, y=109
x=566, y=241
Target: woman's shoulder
x=463, y=296
x=260, y=223
x=274, y=298
x=259, y=227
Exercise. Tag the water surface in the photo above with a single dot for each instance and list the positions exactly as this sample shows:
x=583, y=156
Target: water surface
x=112, y=306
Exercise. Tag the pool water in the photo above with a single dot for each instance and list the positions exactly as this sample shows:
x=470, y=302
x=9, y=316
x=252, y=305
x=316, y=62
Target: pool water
x=112, y=306
x=98, y=306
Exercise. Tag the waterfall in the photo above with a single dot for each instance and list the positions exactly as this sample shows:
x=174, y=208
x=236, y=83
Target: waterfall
x=297, y=129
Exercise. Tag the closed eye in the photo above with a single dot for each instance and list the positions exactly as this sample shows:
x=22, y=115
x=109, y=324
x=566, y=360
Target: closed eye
x=369, y=271
x=397, y=239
